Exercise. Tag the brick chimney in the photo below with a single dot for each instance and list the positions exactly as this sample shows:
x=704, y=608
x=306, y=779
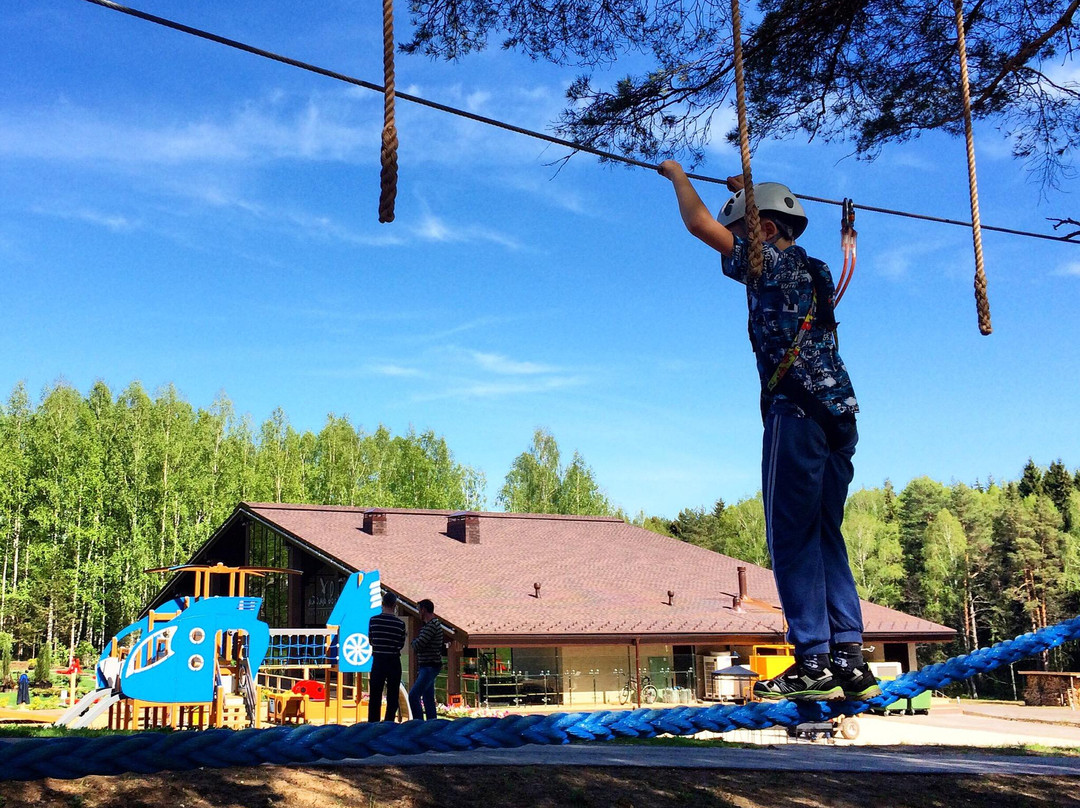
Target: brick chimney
x=375, y=523
x=464, y=526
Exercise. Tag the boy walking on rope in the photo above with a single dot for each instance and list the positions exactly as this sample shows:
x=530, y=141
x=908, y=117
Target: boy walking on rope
x=808, y=407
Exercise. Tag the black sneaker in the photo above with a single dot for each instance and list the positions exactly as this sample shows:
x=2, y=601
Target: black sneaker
x=800, y=684
x=858, y=683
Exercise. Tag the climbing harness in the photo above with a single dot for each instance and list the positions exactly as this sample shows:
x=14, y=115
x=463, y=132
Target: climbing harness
x=793, y=352
x=982, y=303
x=388, y=153
x=848, y=237
x=79, y=756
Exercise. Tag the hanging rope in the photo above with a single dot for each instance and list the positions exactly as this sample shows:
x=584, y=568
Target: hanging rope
x=388, y=155
x=982, y=303
x=751, y=219
x=520, y=130
x=78, y=756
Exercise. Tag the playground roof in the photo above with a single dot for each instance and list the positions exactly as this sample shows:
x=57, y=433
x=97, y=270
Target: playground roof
x=601, y=580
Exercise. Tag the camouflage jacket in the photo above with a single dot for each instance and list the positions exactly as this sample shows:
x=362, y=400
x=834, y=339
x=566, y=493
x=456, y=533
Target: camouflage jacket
x=778, y=302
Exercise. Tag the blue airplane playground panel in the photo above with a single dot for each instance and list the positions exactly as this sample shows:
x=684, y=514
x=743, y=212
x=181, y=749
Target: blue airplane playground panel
x=176, y=662
x=360, y=600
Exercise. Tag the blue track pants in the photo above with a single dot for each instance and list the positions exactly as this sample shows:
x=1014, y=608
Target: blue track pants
x=422, y=693
x=805, y=485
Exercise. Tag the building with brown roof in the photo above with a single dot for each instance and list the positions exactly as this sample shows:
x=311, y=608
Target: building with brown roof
x=574, y=602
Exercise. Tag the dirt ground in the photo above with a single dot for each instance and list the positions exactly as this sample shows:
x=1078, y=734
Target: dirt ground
x=537, y=787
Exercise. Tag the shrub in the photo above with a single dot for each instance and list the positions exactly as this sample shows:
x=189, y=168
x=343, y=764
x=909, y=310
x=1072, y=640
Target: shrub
x=43, y=665
x=87, y=654
x=7, y=642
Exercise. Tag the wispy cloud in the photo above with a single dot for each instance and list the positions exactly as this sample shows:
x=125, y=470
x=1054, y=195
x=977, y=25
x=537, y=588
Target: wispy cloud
x=1069, y=270
x=319, y=127
x=396, y=371
x=497, y=363
x=295, y=221
x=556, y=194
x=434, y=228
x=483, y=389
x=442, y=371
x=115, y=222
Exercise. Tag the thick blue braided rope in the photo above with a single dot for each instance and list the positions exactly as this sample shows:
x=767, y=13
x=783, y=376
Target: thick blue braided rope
x=71, y=757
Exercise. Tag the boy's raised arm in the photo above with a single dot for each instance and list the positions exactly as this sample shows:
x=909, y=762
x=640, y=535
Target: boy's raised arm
x=697, y=218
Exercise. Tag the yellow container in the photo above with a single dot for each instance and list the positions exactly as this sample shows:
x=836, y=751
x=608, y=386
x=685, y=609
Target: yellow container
x=768, y=661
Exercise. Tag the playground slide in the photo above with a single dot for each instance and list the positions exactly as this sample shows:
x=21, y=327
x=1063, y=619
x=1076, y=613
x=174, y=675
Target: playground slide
x=89, y=707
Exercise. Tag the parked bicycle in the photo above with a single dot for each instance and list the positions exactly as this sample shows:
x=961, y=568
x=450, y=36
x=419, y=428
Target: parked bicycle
x=629, y=692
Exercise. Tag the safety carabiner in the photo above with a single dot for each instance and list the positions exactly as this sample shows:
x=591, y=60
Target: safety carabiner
x=848, y=237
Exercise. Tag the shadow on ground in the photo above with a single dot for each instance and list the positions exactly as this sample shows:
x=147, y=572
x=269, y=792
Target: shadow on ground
x=538, y=787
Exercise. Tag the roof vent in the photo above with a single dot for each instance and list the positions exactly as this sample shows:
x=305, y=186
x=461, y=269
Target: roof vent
x=464, y=526
x=737, y=601
x=670, y=597
x=536, y=590
x=375, y=523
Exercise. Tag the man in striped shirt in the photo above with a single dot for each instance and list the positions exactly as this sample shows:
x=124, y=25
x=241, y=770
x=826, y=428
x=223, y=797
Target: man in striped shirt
x=386, y=633
x=429, y=646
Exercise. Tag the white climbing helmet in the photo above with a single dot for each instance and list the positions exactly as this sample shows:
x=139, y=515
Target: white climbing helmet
x=769, y=197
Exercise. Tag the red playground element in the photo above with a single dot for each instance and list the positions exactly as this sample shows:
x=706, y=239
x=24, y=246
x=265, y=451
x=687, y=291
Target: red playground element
x=75, y=667
x=316, y=691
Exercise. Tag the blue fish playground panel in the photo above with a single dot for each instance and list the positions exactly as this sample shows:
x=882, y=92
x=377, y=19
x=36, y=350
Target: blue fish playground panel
x=177, y=661
x=360, y=600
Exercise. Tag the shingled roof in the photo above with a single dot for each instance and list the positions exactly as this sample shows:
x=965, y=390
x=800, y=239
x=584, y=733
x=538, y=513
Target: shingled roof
x=601, y=580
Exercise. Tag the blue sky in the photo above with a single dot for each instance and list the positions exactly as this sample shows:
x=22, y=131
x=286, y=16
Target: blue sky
x=175, y=211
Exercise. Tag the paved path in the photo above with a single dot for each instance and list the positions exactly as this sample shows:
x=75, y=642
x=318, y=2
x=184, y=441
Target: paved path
x=1062, y=716
x=795, y=757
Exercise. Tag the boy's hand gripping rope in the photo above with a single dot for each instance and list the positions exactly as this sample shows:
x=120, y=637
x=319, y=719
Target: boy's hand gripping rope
x=71, y=757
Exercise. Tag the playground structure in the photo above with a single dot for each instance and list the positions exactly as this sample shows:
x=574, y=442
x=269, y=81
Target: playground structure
x=210, y=662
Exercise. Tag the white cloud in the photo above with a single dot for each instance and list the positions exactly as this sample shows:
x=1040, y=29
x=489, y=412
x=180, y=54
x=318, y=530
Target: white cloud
x=395, y=371
x=115, y=222
x=297, y=222
x=468, y=325
x=1063, y=73
x=557, y=194
x=433, y=228
x=496, y=363
x=1069, y=270
x=894, y=265
x=483, y=389
x=320, y=127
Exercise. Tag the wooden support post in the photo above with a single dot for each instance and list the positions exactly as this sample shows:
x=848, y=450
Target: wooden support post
x=339, y=697
x=453, y=670
x=637, y=668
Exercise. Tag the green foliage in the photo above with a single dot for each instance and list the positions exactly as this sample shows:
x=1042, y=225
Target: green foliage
x=87, y=654
x=43, y=664
x=873, y=542
x=7, y=642
x=986, y=561
x=96, y=489
x=1057, y=484
x=537, y=483
x=737, y=530
x=1031, y=481
x=869, y=72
